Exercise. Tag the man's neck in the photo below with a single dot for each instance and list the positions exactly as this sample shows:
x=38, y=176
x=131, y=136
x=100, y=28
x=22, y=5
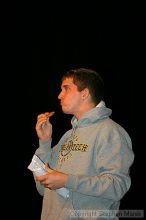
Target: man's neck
x=83, y=109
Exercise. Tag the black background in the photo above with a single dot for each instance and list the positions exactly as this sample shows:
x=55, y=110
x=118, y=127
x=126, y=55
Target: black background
x=37, y=48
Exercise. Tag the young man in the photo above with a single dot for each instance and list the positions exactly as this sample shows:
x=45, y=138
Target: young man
x=90, y=164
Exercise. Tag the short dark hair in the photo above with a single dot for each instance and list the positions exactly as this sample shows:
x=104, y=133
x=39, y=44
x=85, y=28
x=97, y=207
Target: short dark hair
x=87, y=78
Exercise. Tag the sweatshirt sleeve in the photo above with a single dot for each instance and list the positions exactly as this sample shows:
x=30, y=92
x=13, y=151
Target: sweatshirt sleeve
x=44, y=151
x=112, y=164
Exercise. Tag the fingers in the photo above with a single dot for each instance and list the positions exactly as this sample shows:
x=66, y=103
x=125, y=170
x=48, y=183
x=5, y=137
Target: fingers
x=43, y=180
x=42, y=118
x=40, y=122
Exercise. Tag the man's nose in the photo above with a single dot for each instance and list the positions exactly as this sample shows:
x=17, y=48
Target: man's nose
x=60, y=95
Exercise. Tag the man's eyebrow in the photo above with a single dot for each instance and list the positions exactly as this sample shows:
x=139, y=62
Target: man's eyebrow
x=65, y=86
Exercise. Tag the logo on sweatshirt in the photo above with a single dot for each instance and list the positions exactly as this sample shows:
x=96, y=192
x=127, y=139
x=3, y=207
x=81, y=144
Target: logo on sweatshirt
x=70, y=145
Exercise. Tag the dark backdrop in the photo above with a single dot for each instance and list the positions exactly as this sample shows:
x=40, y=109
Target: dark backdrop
x=34, y=60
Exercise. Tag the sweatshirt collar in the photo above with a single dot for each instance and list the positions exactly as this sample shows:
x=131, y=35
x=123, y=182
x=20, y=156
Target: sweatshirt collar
x=90, y=117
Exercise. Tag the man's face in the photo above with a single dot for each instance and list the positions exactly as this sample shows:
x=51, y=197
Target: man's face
x=70, y=97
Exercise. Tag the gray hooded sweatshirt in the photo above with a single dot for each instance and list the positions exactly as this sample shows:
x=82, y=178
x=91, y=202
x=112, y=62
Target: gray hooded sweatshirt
x=96, y=154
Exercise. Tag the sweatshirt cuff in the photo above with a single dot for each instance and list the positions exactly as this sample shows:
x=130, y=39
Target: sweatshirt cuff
x=45, y=144
x=71, y=182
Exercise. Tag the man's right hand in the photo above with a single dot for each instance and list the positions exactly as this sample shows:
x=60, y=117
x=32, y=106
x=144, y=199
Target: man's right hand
x=43, y=126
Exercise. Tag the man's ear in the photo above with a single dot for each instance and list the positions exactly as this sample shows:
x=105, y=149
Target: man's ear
x=85, y=93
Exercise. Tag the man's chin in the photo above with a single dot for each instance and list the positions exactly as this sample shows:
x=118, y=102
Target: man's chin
x=66, y=111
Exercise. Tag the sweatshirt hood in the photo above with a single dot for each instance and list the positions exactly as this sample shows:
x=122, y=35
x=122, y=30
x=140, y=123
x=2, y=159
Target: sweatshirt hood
x=97, y=113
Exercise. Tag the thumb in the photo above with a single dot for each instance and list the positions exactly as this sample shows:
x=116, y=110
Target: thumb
x=48, y=169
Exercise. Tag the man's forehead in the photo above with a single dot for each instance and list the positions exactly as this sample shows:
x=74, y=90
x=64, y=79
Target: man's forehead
x=67, y=81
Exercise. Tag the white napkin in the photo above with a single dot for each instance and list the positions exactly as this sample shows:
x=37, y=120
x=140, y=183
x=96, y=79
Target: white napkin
x=38, y=167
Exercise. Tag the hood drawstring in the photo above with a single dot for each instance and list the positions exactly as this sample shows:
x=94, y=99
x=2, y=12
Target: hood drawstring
x=72, y=136
x=68, y=144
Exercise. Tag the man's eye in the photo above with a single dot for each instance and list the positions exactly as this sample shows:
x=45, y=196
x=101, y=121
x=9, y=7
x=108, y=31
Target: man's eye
x=67, y=89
